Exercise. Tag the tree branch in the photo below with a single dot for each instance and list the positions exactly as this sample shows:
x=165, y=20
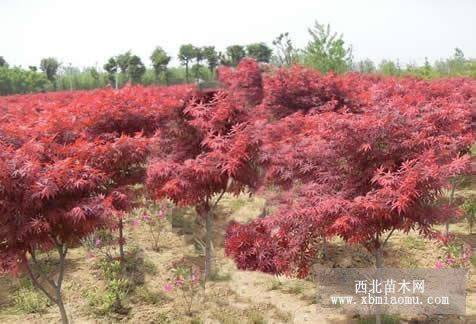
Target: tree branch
x=37, y=284
x=62, y=249
x=218, y=199
x=388, y=236
x=38, y=265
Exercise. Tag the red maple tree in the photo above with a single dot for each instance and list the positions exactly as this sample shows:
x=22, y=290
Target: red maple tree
x=208, y=148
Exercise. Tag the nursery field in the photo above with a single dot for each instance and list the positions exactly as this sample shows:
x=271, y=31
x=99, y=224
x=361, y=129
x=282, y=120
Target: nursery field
x=186, y=205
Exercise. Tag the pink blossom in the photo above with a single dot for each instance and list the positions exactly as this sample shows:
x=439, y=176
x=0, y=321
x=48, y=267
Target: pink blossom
x=439, y=265
x=161, y=214
x=467, y=254
x=146, y=217
x=135, y=222
x=168, y=287
x=179, y=282
x=450, y=261
x=98, y=242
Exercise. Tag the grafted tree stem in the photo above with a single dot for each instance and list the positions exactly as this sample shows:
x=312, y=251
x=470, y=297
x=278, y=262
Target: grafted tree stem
x=55, y=286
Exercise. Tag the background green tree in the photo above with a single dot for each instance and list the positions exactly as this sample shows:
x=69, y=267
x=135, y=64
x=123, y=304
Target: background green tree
x=93, y=72
x=135, y=69
x=327, y=51
x=3, y=62
x=50, y=67
x=388, y=67
x=198, y=56
x=234, y=54
x=186, y=55
x=426, y=71
x=286, y=53
x=365, y=66
x=123, y=61
x=160, y=61
x=111, y=68
x=211, y=55
x=16, y=80
x=259, y=51
x=457, y=63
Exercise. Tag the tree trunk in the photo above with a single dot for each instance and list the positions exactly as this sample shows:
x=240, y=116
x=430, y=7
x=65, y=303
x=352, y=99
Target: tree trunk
x=324, y=247
x=208, y=245
x=378, y=265
x=186, y=72
x=59, y=299
x=379, y=258
x=62, y=249
x=452, y=194
x=121, y=243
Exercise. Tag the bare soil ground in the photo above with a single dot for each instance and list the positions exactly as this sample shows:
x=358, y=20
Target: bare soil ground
x=233, y=296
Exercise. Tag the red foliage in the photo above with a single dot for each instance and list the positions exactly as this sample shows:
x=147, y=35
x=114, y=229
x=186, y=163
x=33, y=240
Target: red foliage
x=64, y=159
x=289, y=90
x=354, y=173
x=243, y=83
x=212, y=148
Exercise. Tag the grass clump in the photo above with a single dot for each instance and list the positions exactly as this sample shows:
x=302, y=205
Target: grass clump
x=219, y=276
x=162, y=319
x=144, y=295
x=274, y=284
x=255, y=316
x=226, y=316
x=414, y=243
x=295, y=288
x=100, y=302
x=28, y=300
x=183, y=221
x=285, y=317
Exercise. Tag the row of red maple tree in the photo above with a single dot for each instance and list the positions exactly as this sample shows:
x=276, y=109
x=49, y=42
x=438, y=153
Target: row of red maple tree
x=355, y=156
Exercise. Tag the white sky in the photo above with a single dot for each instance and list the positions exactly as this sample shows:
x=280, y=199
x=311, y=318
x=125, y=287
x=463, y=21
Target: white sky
x=87, y=32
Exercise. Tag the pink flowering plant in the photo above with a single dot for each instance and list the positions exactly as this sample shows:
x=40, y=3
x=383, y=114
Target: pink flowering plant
x=186, y=281
x=154, y=218
x=469, y=210
x=456, y=255
x=100, y=244
x=155, y=222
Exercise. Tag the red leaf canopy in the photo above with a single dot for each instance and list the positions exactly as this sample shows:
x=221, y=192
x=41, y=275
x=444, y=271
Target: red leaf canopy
x=359, y=156
x=64, y=158
x=211, y=144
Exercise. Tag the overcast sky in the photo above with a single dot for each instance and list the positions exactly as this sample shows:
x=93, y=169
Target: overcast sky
x=87, y=32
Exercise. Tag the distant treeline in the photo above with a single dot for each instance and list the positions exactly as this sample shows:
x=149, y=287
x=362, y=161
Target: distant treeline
x=325, y=51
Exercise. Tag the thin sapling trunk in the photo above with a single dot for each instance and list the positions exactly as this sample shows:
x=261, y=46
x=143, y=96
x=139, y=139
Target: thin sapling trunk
x=325, y=249
x=208, y=245
x=209, y=261
x=47, y=284
x=378, y=253
x=451, y=198
x=121, y=243
x=186, y=71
